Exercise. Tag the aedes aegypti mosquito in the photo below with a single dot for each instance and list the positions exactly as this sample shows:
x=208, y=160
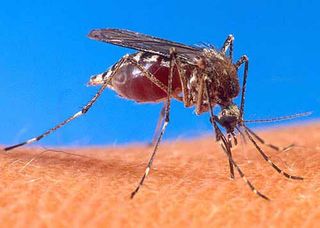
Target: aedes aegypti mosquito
x=199, y=76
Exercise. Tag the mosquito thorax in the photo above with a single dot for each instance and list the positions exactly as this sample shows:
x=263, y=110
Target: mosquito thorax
x=225, y=81
x=229, y=117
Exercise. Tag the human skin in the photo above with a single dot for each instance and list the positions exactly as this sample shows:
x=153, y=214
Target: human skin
x=189, y=185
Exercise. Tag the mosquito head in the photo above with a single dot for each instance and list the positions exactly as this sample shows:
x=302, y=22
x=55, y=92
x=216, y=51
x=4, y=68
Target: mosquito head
x=229, y=117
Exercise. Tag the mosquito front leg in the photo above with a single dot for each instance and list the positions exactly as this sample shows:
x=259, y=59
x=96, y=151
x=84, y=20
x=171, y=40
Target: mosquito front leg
x=226, y=146
x=244, y=59
x=262, y=141
x=269, y=160
x=219, y=135
x=228, y=44
x=219, y=138
x=165, y=124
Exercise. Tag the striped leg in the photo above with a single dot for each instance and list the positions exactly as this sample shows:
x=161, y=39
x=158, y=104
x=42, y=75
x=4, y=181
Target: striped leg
x=219, y=137
x=268, y=159
x=201, y=92
x=226, y=148
x=76, y=115
x=80, y=113
x=243, y=60
x=253, y=189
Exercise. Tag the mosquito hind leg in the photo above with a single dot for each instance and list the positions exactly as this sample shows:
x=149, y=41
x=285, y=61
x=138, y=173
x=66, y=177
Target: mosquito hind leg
x=76, y=115
x=83, y=111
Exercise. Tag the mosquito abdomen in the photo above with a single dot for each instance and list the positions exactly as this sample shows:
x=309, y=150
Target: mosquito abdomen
x=144, y=78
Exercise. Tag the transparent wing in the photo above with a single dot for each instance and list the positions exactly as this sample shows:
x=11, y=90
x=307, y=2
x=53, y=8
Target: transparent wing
x=146, y=43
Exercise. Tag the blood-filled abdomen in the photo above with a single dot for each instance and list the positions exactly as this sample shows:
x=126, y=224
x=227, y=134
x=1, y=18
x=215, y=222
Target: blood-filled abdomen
x=132, y=83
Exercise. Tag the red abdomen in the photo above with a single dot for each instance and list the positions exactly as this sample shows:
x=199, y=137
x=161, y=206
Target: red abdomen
x=132, y=83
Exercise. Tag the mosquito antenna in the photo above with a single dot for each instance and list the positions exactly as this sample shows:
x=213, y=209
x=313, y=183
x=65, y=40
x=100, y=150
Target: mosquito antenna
x=281, y=118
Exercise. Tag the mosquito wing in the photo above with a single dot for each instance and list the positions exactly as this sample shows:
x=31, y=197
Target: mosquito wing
x=146, y=43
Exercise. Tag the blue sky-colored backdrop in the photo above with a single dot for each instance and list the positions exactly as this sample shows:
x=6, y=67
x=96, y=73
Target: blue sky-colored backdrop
x=46, y=60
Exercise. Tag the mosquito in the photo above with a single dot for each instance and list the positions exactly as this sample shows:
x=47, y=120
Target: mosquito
x=199, y=76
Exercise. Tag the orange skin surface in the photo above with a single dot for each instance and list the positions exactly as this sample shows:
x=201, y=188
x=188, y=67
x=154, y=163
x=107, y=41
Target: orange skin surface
x=189, y=185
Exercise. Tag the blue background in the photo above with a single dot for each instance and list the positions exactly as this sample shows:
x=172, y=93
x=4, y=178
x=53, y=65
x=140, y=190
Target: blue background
x=46, y=60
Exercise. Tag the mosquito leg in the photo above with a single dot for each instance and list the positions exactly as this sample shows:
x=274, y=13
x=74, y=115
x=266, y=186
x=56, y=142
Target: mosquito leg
x=277, y=148
x=158, y=127
x=226, y=147
x=158, y=83
x=198, y=110
x=185, y=100
x=268, y=159
x=243, y=137
x=228, y=44
x=200, y=96
x=235, y=140
x=219, y=137
x=76, y=115
x=253, y=189
x=164, y=126
x=244, y=59
x=184, y=85
x=84, y=110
